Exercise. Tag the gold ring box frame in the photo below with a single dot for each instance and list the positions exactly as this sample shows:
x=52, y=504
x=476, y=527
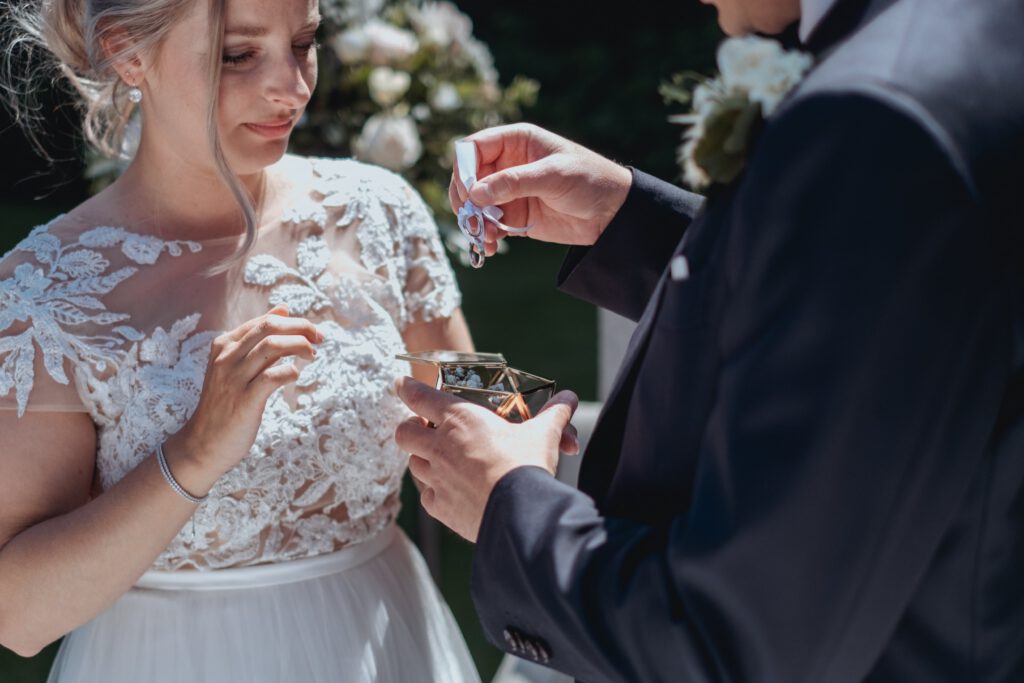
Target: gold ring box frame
x=512, y=394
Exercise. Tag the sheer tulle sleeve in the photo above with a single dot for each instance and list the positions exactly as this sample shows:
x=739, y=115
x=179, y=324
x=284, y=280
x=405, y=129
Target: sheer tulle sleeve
x=64, y=329
x=39, y=312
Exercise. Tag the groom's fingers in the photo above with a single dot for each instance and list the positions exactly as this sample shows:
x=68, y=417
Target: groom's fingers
x=570, y=442
x=428, y=499
x=509, y=141
x=414, y=436
x=423, y=400
x=557, y=412
x=456, y=190
x=421, y=470
x=564, y=405
x=502, y=187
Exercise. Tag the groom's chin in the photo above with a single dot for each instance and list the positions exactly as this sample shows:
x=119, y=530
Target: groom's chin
x=745, y=17
x=731, y=24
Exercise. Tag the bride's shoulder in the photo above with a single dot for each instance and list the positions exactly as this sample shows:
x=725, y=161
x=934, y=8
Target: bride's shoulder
x=65, y=229
x=41, y=242
x=83, y=251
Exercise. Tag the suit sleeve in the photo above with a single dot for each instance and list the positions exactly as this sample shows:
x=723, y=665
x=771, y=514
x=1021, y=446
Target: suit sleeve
x=865, y=347
x=620, y=270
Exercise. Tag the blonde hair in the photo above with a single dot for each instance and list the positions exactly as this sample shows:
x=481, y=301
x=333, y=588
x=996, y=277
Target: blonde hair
x=62, y=41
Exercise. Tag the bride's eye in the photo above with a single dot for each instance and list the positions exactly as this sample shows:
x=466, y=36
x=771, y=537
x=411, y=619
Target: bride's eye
x=235, y=60
x=306, y=47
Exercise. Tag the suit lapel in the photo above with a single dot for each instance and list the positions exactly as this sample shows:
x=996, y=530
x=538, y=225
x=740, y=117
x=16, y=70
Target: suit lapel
x=602, y=454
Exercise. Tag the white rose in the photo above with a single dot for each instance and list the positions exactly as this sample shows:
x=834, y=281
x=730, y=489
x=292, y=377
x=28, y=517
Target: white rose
x=761, y=69
x=441, y=24
x=387, y=85
x=740, y=60
x=388, y=43
x=482, y=60
x=351, y=45
x=421, y=111
x=375, y=41
x=351, y=11
x=772, y=85
x=389, y=141
x=446, y=98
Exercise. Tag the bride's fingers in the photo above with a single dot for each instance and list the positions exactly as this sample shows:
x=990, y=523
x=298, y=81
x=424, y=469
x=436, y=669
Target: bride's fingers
x=270, y=325
x=273, y=348
x=239, y=332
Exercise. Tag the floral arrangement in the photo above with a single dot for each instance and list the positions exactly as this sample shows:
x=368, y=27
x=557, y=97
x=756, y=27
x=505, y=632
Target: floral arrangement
x=400, y=81
x=755, y=74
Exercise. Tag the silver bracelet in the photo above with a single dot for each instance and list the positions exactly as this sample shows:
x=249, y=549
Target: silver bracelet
x=166, y=471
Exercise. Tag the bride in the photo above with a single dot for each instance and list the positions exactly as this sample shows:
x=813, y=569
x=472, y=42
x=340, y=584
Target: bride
x=199, y=479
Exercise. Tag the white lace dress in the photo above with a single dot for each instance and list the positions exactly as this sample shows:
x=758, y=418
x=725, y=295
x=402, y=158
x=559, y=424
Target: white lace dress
x=294, y=570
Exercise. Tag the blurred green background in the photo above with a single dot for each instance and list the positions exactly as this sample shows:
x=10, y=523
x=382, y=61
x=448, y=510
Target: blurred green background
x=599, y=65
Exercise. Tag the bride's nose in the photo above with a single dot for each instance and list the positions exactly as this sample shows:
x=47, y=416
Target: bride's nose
x=286, y=83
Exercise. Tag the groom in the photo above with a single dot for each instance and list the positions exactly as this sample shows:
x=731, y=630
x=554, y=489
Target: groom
x=811, y=467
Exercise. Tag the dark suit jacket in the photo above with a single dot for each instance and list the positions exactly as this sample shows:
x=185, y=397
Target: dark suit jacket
x=812, y=465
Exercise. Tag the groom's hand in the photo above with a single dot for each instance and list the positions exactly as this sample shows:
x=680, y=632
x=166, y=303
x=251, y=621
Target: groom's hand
x=460, y=459
x=567, y=193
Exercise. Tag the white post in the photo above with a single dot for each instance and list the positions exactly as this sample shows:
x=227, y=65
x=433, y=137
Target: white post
x=613, y=333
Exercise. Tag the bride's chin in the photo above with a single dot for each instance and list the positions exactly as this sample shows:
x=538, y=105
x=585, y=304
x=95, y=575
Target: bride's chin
x=253, y=159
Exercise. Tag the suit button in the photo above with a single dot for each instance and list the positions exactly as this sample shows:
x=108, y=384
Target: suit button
x=544, y=652
x=532, y=650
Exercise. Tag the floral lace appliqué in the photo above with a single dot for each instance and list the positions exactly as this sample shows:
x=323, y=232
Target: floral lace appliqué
x=59, y=295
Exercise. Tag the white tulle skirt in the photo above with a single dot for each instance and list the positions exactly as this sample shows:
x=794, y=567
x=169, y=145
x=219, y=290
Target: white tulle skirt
x=366, y=613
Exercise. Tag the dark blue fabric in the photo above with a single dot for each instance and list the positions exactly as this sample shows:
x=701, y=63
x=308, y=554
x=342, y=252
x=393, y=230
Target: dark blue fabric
x=626, y=288
x=811, y=467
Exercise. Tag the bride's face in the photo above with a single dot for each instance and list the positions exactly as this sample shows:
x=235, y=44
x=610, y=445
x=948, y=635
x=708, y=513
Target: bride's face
x=268, y=74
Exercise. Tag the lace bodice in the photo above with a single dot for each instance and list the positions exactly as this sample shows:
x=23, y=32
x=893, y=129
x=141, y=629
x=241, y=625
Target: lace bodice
x=118, y=322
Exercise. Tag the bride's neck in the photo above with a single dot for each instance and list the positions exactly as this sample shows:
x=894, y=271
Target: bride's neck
x=185, y=197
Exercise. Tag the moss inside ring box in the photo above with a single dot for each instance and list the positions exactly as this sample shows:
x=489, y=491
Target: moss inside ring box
x=487, y=380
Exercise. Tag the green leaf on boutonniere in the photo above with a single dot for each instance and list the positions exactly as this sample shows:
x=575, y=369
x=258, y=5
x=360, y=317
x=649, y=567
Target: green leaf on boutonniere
x=728, y=110
x=722, y=150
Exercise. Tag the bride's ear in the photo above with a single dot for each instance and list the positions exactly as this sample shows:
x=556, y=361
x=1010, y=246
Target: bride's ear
x=125, y=57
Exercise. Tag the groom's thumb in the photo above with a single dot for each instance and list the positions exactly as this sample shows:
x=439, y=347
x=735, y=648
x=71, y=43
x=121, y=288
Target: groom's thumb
x=557, y=413
x=502, y=187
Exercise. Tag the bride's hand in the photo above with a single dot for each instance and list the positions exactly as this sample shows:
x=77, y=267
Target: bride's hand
x=241, y=376
x=567, y=193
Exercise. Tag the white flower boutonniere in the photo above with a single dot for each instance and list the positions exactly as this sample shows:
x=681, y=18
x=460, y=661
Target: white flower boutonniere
x=755, y=74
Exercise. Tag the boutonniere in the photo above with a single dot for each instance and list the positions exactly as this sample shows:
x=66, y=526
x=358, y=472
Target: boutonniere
x=755, y=74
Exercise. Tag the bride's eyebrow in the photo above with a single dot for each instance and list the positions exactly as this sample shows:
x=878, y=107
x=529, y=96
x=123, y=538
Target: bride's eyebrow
x=247, y=31
x=260, y=31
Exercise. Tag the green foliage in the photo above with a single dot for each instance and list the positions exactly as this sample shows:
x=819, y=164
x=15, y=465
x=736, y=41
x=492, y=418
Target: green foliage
x=722, y=150
x=452, y=90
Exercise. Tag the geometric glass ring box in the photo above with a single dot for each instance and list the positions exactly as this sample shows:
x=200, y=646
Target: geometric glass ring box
x=486, y=380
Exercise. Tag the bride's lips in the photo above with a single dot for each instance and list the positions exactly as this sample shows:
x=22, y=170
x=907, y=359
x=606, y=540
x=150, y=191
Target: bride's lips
x=272, y=129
